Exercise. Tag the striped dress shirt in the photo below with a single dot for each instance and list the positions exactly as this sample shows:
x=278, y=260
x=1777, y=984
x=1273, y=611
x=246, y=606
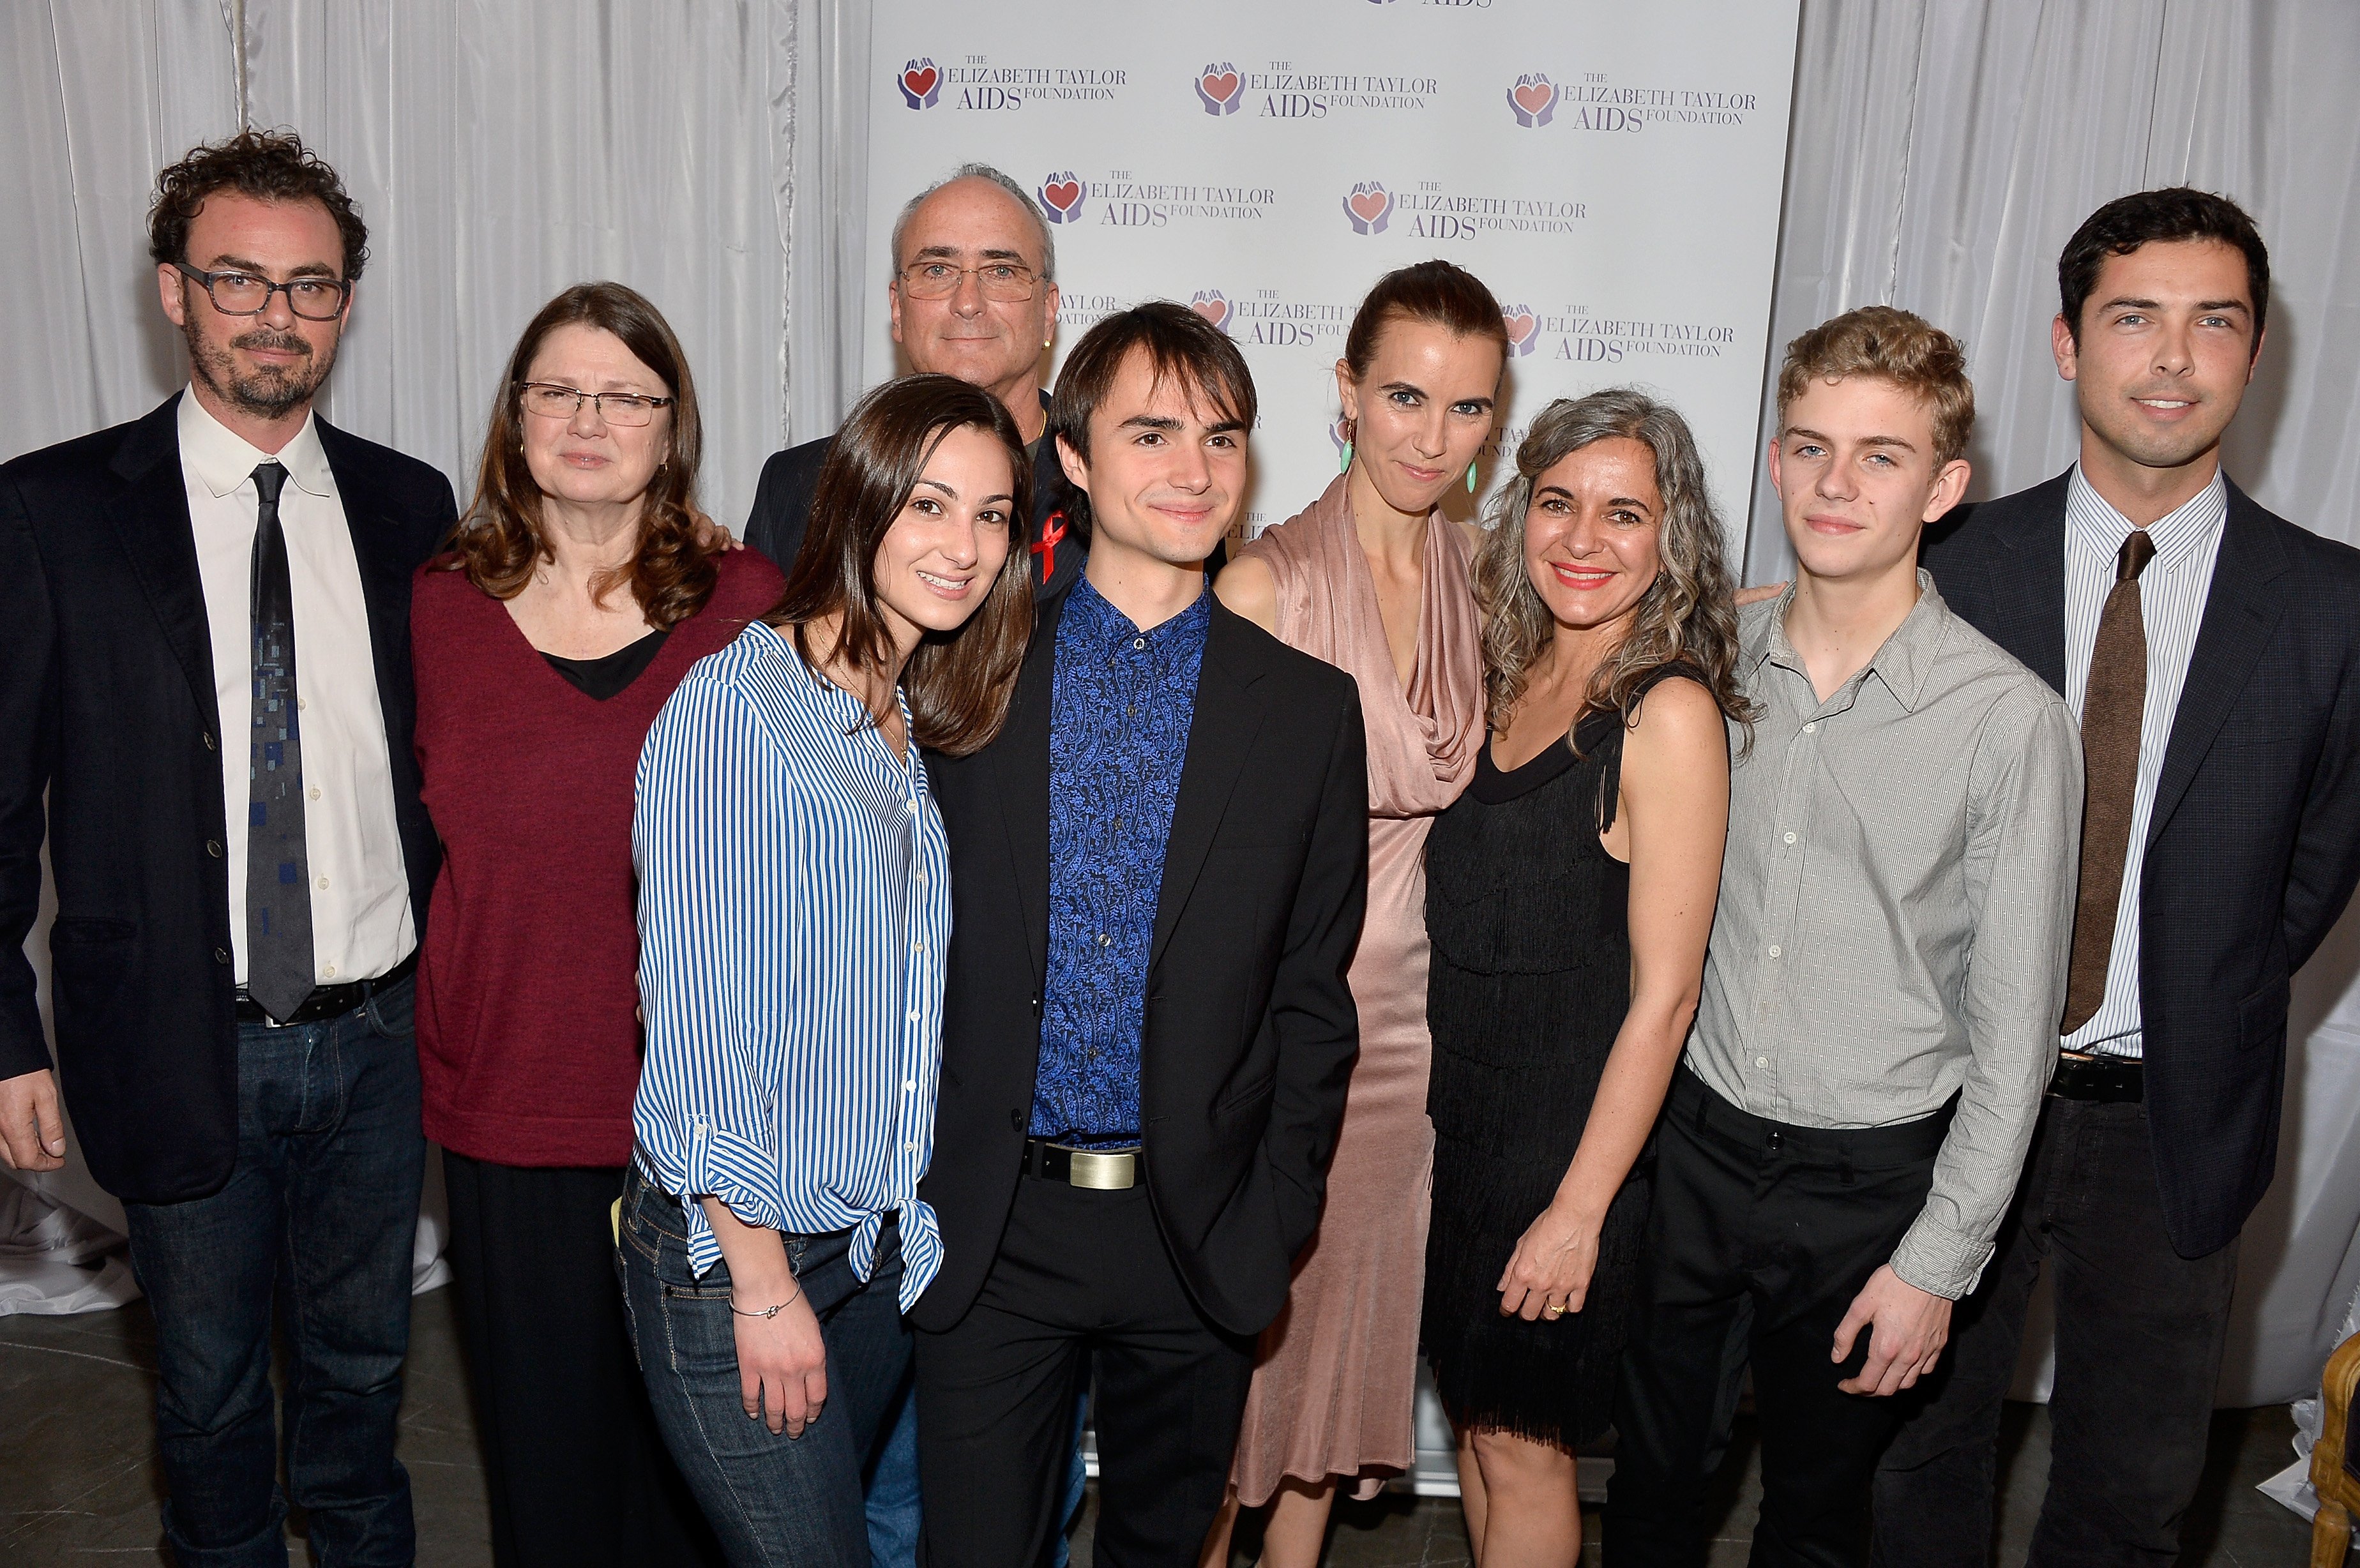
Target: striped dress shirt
x=794, y=910
x=2172, y=592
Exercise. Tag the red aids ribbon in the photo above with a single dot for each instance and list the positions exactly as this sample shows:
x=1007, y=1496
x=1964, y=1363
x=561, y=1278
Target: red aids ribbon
x=1045, y=547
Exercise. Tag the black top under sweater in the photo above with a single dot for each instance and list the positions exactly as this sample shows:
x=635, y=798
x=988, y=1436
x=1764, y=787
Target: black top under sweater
x=1530, y=979
x=610, y=675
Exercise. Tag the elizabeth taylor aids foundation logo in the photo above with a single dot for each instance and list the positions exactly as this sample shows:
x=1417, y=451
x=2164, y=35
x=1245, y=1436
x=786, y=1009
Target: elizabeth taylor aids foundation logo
x=1220, y=89
x=1524, y=329
x=920, y=82
x=1061, y=196
x=1533, y=99
x=1213, y=305
x=1369, y=206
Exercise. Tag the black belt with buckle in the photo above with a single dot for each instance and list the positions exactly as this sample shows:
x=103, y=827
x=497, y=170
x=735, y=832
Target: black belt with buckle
x=2108, y=1080
x=1104, y=1170
x=329, y=1001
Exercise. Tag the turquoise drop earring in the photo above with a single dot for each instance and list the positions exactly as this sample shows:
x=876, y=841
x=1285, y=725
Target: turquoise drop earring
x=1470, y=479
x=1344, y=463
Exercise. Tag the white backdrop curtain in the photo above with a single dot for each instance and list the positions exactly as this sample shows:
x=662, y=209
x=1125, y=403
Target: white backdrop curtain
x=1941, y=152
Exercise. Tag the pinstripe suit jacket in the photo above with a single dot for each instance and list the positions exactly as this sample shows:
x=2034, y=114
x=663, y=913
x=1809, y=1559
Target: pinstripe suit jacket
x=2254, y=845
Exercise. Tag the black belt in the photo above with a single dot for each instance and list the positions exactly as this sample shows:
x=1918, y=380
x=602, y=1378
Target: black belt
x=2106, y=1079
x=1104, y=1170
x=329, y=1001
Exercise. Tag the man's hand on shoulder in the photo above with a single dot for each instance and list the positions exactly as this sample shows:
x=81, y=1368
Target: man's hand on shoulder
x=1907, y=1329
x=32, y=1129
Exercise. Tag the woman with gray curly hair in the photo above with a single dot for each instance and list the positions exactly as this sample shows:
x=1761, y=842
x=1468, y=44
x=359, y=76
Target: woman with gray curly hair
x=1569, y=897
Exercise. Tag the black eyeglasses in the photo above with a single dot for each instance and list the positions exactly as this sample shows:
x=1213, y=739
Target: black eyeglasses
x=1004, y=281
x=244, y=294
x=551, y=402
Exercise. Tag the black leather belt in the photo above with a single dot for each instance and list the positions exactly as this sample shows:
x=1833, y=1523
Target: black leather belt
x=1104, y=1170
x=2106, y=1079
x=329, y=1001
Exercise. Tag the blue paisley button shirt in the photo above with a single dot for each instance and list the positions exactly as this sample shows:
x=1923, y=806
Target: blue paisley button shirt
x=1119, y=712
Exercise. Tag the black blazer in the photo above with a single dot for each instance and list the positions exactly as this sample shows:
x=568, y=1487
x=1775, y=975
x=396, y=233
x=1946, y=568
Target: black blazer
x=782, y=502
x=2254, y=844
x=107, y=704
x=1250, y=1031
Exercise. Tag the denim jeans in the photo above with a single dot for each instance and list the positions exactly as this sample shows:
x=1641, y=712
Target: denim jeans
x=319, y=1212
x=772, y=1498
x=893, y=1506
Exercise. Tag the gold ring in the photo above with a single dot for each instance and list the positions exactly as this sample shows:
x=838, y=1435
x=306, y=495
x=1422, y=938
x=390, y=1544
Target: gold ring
x=1554, y=1310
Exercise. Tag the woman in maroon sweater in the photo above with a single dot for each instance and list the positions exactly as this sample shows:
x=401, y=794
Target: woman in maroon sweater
x=578, y=591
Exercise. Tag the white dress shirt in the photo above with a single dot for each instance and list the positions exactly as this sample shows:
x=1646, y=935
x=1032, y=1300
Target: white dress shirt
x=361, y=920
x=2172, y=592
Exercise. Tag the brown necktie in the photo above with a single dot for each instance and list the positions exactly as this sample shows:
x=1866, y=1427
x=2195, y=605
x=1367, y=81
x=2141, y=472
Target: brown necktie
x=2112, y=706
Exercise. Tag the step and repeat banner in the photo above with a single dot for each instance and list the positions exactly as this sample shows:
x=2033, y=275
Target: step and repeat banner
x=1613, y=172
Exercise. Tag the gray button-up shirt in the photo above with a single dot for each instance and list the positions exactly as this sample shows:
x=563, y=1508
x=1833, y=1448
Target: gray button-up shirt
x=1896, y=903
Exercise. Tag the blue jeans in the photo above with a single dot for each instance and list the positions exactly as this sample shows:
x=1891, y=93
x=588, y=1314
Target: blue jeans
x=320, y=1210
x=772, y=1498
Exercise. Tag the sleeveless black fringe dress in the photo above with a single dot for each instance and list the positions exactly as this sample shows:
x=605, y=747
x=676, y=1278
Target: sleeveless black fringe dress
x=1531, y=977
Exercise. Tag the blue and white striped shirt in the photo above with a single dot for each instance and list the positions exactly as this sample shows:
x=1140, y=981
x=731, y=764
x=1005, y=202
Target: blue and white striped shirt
x=795, y=909
x=2172, y=594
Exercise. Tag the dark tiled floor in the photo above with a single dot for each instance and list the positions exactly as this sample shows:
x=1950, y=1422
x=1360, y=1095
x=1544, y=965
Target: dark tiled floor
x=78, y=1479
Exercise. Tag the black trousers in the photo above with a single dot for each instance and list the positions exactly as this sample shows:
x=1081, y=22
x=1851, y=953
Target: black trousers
x=577, y=1474
x=1081, y=1277
x=1764, y=1234
x=2139, y=1335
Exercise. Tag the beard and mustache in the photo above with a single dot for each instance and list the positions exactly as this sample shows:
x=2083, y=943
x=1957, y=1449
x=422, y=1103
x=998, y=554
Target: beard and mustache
x=269, y=391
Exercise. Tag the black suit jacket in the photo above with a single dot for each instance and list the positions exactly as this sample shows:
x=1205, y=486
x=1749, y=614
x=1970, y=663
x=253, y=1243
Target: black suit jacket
x=2254, y=844
x=107, y=705
x=1250, y=1030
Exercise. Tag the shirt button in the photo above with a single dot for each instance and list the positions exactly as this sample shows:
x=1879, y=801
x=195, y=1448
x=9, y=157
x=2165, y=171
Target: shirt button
x=913, y=1015
x=1118, y=822
x=1138, y=642
x=1761, y=1061
x=1104, y=939
x=328, y=970
x=1130, y=710
x=209, y=740
x=221, y=955
x=314, y=791
x=1790, y=838
x=301, y=706
x=323, y=883
x=913, y=1147
x=1811, y=728
x=214, y=848
x=1774, y=949
x=909, y=1086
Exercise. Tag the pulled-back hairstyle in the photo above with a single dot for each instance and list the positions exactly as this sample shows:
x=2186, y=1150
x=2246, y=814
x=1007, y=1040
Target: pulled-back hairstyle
x=1895, y=345
x=1686, y=615
x=2178, y=212
x=957, y=683
x=269, y=165
x=1436, y=292
x=499, y=541
x=1179, y=344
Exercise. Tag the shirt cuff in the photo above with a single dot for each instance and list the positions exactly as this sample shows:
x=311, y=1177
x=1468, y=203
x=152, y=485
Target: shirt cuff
x=736, y=1170
x=1939, y=1260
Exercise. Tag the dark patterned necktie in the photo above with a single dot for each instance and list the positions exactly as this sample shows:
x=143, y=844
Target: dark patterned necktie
x=278, y=871
x=2113, y=705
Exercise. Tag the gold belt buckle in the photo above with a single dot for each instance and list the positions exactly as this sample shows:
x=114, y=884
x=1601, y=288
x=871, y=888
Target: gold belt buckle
x=1102, y=1171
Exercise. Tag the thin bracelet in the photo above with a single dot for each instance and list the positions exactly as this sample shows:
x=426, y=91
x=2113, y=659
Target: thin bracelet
x=765, y=1312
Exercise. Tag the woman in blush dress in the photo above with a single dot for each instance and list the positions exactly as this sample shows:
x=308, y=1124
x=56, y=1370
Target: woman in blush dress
x=1569, y=894
x=1373, y=578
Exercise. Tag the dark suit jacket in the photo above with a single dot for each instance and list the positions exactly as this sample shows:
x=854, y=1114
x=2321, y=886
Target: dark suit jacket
x=1250, y=1031
x=107, y=704
x=2254, y=844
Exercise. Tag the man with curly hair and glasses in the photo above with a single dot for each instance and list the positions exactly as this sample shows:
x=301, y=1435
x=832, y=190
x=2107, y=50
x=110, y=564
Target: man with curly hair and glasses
x=204, y=675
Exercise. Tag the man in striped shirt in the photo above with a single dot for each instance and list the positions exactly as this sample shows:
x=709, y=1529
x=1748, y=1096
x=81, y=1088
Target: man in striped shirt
x=2212, y=654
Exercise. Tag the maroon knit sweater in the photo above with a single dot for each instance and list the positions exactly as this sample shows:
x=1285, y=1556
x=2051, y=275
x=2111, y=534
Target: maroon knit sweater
x=527, y=984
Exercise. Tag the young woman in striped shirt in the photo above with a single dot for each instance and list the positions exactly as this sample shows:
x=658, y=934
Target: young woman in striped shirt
x=793, y=914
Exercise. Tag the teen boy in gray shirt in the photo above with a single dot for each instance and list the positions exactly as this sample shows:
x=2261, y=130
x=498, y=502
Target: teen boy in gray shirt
x=1881, y=994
